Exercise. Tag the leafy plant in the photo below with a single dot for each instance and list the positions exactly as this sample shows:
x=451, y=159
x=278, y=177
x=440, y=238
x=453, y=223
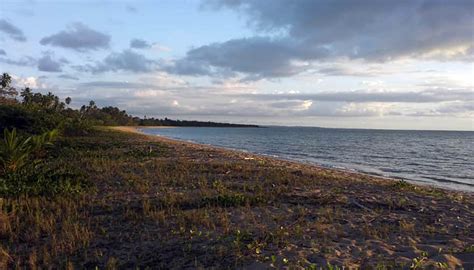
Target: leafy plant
x=13, y=151
x=16, y=151
x=24, y=168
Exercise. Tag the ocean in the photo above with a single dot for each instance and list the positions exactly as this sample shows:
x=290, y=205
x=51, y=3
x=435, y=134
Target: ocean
x=440, y=158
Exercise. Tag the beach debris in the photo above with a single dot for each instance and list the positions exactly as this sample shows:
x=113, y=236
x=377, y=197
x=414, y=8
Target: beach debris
x=249, y=158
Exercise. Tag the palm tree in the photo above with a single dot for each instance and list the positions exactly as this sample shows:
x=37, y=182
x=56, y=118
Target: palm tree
x=27, y=95
x=7, y=92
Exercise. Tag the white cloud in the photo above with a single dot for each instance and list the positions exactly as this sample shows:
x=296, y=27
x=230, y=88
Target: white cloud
x=31, y=82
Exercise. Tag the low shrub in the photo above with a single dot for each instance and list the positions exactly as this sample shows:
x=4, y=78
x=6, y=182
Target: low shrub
x=76, y=127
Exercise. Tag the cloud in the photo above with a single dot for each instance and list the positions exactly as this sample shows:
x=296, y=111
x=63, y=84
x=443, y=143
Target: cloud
x=32, y=82
x=292, y=36
x=116, y=85
x=78, y=37
x=139, y=44
x=444, y=81
x=23, y=61
x=143, y=44
x=2, y=52
x=457, y=107
x=258, y=56
x=336, y=70
x=131, y=9
x=144, y=96
x=48, y=64
x=454, y=108
x=157, y=81
x=12, y=31
x=126, y=60
x=363, y=96
x=294, y=105
x=160, y=48
x=358, y=110
x=68, y=77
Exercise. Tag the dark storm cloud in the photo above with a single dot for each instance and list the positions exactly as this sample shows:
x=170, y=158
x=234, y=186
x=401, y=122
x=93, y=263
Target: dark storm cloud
x=362, y=96
x=139, y=44
x=48, y=64
x=311, y=30
x=78, y=37
x=126, y=60
x=12, y=31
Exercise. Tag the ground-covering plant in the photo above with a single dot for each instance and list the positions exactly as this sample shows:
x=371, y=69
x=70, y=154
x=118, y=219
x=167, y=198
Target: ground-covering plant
x=26, y=167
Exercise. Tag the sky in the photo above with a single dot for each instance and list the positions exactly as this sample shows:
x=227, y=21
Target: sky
x=347, y=64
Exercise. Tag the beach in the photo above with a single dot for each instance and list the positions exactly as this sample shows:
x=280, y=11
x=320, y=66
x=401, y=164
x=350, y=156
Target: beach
x=163, y=203
x=371, y=202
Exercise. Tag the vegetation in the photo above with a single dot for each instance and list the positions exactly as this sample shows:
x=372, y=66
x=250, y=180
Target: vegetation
x=7, y=92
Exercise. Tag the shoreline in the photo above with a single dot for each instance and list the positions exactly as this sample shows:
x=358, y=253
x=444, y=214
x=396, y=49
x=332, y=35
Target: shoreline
x=353, y=173
x=368, y=217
